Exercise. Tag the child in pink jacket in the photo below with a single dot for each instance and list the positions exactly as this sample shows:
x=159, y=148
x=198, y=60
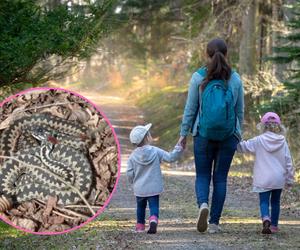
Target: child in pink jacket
x=273, y=169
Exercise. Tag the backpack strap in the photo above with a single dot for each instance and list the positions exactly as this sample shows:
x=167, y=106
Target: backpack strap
x=202, y=72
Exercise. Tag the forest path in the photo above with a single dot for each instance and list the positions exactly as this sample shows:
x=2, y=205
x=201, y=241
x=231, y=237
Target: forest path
x=178, y=210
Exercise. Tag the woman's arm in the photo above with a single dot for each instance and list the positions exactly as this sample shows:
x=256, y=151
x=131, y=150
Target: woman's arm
x=240, y=106
x=191, y=105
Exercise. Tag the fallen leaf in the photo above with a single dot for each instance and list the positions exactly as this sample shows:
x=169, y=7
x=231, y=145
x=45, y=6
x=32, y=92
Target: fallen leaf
x=25, y=223
x=51, y=203
x=56, y=220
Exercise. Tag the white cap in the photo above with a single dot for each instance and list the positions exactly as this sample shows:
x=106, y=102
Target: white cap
x=138, y=133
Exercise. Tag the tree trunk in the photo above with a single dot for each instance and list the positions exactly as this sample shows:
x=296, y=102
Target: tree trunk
x=247, y=55
x=262, y=43
x=287, y=12
x=275, y=18
x=176, y=9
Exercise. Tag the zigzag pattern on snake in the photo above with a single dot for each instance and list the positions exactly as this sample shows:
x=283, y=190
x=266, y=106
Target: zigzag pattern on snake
x=30, y=140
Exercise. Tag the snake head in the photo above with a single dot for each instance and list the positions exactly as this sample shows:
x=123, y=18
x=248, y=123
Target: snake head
x=43, y=136
x=39, y=133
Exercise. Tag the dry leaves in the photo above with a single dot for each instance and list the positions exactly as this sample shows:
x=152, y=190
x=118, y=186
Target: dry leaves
x=102, y=151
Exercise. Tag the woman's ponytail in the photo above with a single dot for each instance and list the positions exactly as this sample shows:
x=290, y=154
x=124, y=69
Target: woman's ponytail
x=217, y=67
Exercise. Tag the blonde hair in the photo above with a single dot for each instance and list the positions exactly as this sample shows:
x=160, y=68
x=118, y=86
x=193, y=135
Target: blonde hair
x=272, y=127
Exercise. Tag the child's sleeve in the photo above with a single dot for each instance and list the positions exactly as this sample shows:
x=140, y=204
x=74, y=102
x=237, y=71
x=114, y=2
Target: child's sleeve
x=248, y=146
x=170, y=156
x=130, y=171
x=290, y=172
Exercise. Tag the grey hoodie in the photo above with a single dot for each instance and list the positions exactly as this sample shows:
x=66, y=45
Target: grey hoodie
x=273, y=166
x=143, y=169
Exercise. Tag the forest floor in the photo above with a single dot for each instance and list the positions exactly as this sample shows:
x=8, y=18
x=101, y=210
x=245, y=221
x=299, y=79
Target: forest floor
x=178, y=211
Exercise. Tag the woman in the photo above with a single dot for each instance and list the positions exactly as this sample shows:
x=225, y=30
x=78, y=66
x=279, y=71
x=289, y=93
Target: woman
x=213, y=152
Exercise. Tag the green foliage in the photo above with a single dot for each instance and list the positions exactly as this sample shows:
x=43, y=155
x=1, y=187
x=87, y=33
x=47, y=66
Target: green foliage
x=147, y=25
x=31, y=35
x=290, y=51
x=196, y=12
x=287, y=103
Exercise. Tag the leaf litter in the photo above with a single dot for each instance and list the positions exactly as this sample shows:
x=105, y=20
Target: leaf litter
x=40, y=216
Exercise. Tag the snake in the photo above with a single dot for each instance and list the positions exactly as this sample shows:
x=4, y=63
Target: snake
x=58, y=147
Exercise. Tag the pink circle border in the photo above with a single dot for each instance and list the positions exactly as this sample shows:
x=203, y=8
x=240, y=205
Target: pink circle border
x=119, y=161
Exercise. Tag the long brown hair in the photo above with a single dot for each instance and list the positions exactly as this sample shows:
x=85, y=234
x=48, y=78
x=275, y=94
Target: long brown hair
x=217, y=67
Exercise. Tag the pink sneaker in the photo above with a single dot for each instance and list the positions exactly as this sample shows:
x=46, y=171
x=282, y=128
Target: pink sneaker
x=274, y=229
x=139, y=228
x=153, y=221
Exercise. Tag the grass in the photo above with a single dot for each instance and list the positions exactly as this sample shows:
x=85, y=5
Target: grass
x=8, y=231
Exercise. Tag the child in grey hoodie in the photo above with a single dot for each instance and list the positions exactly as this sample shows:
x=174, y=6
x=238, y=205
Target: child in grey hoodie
x=143, y=171
x=273, y=168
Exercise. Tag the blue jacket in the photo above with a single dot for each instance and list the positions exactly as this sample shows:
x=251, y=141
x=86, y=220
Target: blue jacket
x=191, y=113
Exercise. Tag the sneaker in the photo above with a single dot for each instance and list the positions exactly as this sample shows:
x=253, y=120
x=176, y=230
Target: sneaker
x=153, y=221
x=139, y=228
x=274, y=229
x=214, y=228
x=202, y=218
x=266, y=227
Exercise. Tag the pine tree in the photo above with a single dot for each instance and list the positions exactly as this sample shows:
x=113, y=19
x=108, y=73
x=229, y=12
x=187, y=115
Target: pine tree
x=32, y=35
x=289, y=53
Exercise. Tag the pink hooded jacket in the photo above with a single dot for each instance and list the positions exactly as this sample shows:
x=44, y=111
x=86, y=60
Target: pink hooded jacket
x=273, y=166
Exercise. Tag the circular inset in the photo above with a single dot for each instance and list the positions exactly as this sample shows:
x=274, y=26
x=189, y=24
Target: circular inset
x=59, y=161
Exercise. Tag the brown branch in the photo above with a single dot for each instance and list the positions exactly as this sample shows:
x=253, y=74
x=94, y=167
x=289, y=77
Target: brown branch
x=41, y=203
x=82, y=206
x=49, y=105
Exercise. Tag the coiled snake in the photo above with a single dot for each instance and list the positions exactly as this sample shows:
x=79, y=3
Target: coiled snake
x=58, y=147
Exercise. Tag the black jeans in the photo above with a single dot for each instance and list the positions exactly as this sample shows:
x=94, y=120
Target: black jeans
x=141, y=203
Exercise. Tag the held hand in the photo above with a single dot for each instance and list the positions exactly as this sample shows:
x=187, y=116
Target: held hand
x=288, y=186
x=182, y=141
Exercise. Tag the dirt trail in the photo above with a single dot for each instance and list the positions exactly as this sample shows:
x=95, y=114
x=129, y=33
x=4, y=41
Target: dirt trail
x=178, y=211
x=177, y=205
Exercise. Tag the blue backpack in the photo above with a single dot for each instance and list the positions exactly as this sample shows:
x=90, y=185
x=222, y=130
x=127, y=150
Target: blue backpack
x=217, y=110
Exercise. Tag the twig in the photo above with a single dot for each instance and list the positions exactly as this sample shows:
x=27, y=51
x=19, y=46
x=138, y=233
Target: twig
x=106, y=153
x=55, y=212
x=83, y=206
x=56, y=176
x=48, y=105
x=63, y=210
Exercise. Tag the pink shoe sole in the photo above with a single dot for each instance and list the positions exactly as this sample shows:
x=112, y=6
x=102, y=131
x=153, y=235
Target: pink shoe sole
x=274, y=229
x=139, y=228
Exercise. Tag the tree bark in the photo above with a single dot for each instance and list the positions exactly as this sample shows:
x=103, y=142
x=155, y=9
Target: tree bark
x=275, y=18
x=176, y=9
x=247, y=54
